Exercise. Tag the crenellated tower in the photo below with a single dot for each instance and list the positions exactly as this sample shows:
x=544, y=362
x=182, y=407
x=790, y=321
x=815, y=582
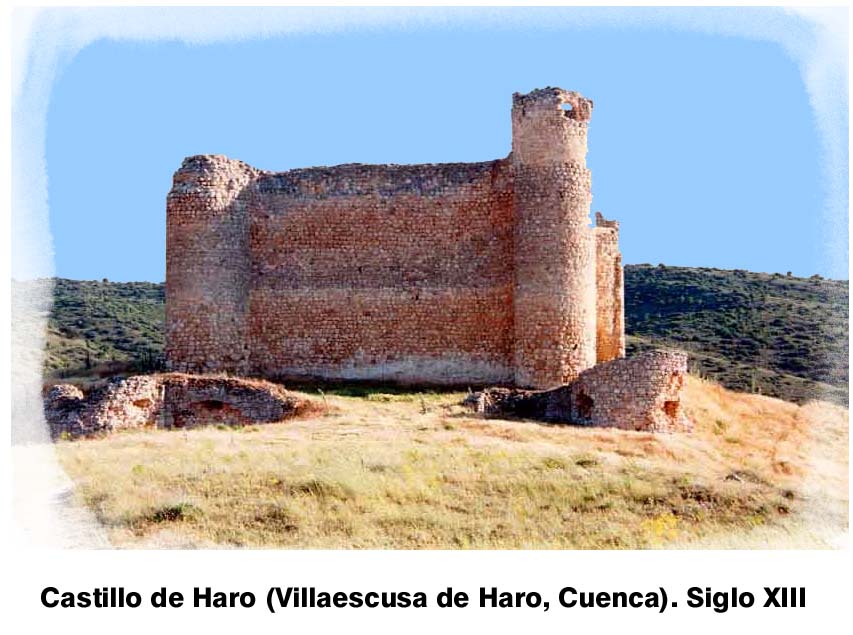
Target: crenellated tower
x=555, y=247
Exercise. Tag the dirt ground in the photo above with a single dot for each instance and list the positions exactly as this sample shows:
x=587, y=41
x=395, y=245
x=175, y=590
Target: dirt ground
x=412, y=470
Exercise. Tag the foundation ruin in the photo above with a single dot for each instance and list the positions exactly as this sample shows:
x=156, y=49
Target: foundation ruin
x=640, y=393
x=168, y=401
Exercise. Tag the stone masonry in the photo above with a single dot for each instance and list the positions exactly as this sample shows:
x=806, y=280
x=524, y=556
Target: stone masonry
x=636, y=393
x=168, y=400
x=455, y=273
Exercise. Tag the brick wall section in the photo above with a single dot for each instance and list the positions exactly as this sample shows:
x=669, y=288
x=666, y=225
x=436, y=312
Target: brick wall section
x=444, y=273
x=168, y=400
x=610, y=301
x=637, y=393
x=383, y=272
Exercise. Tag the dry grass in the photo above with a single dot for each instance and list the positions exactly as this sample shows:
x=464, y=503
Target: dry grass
x=403, y=470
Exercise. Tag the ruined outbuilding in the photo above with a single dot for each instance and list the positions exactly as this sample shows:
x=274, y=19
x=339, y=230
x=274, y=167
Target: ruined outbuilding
x=642, y=392
x=168, y=400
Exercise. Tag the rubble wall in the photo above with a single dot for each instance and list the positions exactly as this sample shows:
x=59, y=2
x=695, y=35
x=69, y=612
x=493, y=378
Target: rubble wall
x=168, y=400
x=636, y=393
x=642, y=392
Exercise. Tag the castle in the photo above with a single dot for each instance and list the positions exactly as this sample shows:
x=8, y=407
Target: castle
x=456, y=273
x=449, y=273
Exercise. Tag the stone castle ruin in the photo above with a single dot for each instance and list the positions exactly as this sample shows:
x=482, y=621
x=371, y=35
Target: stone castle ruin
x=455, y=274
x=167, y=401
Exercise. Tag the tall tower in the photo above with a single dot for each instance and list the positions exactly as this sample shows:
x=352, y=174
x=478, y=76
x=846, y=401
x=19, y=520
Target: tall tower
x=555, y=284
x=208, y=266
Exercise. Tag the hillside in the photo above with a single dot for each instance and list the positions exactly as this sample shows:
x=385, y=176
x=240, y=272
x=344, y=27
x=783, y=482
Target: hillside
x=410, y=470
x=96, y=323
x=778, y=335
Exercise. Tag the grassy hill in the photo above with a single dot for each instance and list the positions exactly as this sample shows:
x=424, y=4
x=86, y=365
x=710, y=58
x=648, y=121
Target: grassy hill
x=412, y=471
x=778, y=335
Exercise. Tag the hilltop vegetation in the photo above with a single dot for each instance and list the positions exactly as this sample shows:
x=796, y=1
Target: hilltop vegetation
x=778, y=335
x=100, y=323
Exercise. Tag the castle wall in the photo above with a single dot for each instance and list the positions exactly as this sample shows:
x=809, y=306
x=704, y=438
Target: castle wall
x=384, y=272
x=610, y=292
x=442, y=273
x=369, y=272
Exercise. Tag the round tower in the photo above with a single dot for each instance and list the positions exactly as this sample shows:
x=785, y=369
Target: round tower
x=207, y=266
x=555, y=291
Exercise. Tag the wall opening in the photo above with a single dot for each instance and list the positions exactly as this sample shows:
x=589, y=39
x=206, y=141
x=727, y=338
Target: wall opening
x=671, y=408
x=585, y=404
x=211, y=404
x=180, y=418
x=676, y=381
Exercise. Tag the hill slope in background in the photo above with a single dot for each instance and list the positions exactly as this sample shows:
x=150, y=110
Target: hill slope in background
x=754, y=332
x=778, y=335
x=104, y=323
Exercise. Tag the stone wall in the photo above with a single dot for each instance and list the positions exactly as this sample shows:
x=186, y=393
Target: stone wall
x=399, y=273
x=63, y=408
x=554, y=246
x=642, y=392
x=191, y=400
x=610, y=291
x=636, y=393
x=455, y=273
x=168, y=400
x=208, y=264
x=123, y=403
x=383, y=272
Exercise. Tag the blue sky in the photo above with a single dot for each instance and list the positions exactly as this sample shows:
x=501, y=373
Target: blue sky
x=703, y=147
